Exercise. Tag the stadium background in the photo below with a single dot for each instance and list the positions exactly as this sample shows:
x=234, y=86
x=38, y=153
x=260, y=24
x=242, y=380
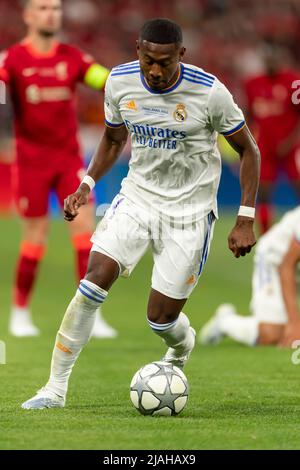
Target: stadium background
x=222, y=36
x=241, y=398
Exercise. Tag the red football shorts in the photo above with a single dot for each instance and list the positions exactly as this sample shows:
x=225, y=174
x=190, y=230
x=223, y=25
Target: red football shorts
x=32, y=185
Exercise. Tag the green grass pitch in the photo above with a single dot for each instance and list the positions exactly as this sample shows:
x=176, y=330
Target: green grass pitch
x=240, y=398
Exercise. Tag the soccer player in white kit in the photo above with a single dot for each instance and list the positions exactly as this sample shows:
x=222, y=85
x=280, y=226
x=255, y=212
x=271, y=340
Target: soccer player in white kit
x=275, y=315
x=173, y=112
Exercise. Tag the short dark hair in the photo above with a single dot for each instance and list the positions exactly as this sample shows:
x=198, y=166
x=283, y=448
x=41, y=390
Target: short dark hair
x=161, y=31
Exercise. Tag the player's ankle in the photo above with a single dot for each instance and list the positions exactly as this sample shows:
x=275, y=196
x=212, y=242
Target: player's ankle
x=56, y=389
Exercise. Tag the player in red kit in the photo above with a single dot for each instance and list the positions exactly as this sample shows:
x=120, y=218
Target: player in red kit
x=276, y=122
x=42, y=74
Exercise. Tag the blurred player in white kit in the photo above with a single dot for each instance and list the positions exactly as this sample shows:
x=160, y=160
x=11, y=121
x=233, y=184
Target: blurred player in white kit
x=275, y=315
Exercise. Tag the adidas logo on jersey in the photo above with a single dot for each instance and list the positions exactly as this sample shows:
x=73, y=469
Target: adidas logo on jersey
x=131, y=105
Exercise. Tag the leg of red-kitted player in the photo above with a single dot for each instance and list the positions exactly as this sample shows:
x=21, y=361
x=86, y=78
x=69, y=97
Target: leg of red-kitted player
x=31, y=191
x=268, y=175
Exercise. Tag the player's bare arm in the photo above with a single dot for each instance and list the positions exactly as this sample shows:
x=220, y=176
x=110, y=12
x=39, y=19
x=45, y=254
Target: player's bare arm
x=242, y=238
x=108, y=151
x=287, y=273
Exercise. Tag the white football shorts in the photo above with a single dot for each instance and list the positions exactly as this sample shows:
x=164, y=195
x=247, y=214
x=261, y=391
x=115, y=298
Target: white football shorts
x=180, y=250
x=267, y=303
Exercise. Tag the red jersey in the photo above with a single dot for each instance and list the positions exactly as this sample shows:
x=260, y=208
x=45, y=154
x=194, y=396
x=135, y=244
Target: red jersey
x=42, y=88
x=271, y=106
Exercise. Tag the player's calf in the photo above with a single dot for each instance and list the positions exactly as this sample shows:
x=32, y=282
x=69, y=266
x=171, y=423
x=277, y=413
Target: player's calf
x=269, y=334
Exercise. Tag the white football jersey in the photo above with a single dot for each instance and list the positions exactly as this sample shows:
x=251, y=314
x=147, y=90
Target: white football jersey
x=175, y=165
x=275, y=243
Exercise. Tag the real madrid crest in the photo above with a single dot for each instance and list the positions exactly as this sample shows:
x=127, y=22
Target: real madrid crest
x=180, y=113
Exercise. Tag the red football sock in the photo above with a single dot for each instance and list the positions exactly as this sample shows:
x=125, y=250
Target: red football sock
x=26, y=272
x=82, y=246
x=265, y=217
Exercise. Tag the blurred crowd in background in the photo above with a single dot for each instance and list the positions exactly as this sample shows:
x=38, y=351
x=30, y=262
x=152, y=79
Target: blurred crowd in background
x=222, y=36
x=225, y=37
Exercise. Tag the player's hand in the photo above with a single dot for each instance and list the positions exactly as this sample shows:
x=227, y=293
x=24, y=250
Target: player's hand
x=241, y=239
x=290, y=334
x=75, y=201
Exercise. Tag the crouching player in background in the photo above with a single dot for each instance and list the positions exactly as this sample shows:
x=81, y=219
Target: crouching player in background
x=275, y=315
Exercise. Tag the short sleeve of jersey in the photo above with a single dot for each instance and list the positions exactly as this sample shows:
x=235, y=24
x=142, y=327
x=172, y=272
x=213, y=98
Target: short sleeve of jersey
x=113, y=116
x=5, y=68
x=224, y=114
x=85, y=62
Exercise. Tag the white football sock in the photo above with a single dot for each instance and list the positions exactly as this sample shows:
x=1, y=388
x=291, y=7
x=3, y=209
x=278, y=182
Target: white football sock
x=241, y=329
x=177, y=335
x=74, y=333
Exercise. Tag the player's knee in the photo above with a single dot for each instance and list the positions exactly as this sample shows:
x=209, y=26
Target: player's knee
x=36, y=231
x=162, y=309
x=269, y=334
x=157, y=313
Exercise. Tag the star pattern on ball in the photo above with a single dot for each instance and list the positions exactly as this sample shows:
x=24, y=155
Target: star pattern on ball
x=167, y=398
x=164, y=399
x=141, y=387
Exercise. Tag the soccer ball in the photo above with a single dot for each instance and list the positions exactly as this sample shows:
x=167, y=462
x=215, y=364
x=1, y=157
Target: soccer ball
x=159, y=389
